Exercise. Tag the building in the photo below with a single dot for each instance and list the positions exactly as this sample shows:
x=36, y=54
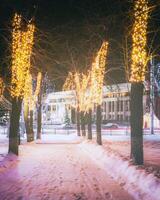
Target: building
x=58, y=106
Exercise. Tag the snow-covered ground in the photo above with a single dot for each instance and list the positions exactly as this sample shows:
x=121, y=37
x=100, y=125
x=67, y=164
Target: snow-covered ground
x=142, y=184
x=63, y=166
x=120, y=145
x=58, y=171
x=3, y=144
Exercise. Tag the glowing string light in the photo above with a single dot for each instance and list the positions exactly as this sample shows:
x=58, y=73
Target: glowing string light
x=88, y=87
x=22, y=44
x=97, y=75
x=1, y=86
x=79, y=83
x=30, y=97
x=38, y=87
x=139, y=38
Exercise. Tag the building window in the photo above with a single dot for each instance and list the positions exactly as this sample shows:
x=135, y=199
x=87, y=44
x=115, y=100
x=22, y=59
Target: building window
x=127, y=105
x=118, y=117
x=109, y=106
x=49, y=108
x=118, y=105
x=53, y=108
x=121, y=105
x=105, y=107
x=112, y=106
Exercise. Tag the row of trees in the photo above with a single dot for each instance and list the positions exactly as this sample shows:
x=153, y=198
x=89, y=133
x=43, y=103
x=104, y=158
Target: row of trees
x=88, y=91
x=23, y=93
x=88, y=87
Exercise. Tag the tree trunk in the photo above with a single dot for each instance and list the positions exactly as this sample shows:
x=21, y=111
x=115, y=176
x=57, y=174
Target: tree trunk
x=14, y=125
x=78, y=122
x=26, y=120
x=39, y=116
x=90, y=124
x=83, y=129
x=98, y=125
x=31, y=135
x=137, y=123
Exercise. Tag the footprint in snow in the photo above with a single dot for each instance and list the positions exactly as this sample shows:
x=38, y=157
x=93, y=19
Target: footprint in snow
x=79, y=196
x=108, y=196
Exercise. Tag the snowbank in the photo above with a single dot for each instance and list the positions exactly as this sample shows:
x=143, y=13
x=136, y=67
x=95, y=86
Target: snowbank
x=135, y=179
x=121, y=147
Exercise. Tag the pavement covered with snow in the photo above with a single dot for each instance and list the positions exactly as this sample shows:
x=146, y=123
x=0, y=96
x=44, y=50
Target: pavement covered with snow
x=68, y=167
x=58, y=171
x=135, y=179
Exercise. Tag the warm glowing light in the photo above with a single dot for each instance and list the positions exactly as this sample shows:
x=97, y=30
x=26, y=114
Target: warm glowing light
x=139, y=38
x=82, y=92
x=97, y=75
x=30, y=97
x=38, y=87
x=22, y=44
x=88, y=87
x=1, y=86
x=70, y=82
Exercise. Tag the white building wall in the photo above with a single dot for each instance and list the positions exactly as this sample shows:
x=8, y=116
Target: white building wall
x=115, y=106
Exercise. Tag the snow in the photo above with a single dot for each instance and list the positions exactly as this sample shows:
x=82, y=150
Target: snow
x=60, y=171
x=59, y=138
x=141, y=185
x=3, y=145
x=120, y=145
x=7, y=161
x=64, y=166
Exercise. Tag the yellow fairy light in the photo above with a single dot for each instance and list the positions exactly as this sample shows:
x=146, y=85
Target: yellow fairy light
x=97, y=75
x=39, y=80
x=82, y=92
x=139, y=38
x=79, y=83
x=69, y=82
x=22, y=44
x=88, y=87
x=1, y=86
x=30, y=97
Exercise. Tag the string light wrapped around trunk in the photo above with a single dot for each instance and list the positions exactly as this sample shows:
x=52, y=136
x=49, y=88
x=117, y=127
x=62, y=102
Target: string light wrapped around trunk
x=30, y=97
x=97, y=75
x=69, y=82
x=1, y=86
x=22, y=44
x=88, y=87
x=38, y=86
x=139, y=38
x=82, y=93
x=78, y=82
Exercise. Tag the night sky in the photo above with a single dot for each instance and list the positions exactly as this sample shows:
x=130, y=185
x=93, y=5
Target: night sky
x=80, y=26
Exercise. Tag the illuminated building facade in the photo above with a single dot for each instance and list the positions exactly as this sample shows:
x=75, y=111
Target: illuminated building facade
x=115, y=105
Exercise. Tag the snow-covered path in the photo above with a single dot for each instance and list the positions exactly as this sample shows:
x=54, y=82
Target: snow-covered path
x=57, y=172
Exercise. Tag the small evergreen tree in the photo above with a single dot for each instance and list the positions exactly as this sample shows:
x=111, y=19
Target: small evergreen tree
x=67, y=119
